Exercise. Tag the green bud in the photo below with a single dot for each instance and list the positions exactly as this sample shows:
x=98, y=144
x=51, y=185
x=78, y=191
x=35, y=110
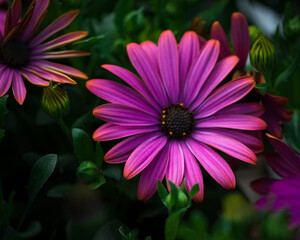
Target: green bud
x=182, y=200
x=254, y=32
x=87, y=172
x=55, y=101
x=262, y=54
x=236, y=208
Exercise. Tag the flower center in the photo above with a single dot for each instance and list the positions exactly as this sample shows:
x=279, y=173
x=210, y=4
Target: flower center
x=14, y=53
x=177, y=121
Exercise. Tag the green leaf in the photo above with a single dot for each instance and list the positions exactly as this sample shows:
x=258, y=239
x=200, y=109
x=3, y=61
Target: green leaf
x=262, y=88
x=284, y=77
x=194, y=190
x=99, y=156
x=97, y=183
x=123, y=8
x=148, y=238
x=82, y=145
x=292, y=131
x=40, y=172
x=3, y=109
x=162, y=192
x=213, y=12
x=33, y=229
x=172, y=225
x=88, y=43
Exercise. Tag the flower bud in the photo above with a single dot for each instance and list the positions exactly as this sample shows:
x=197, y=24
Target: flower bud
x=198, y=25
x=182, y=201
x=262, y=54
x=55, y=101
x=253, y=32
x=87, y=172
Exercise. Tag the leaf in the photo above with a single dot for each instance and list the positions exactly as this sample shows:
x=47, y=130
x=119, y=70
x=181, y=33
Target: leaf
x=287, y=73
x=172, y=225
x=88, y=43
x=262, y=88
x=174, y=196
x=162, y=192
x=40, y=172
x=213, y=12
x=3, y=109
x=292, y=131
x=82, y=145
x=33, y=229
x=97, y=183
x=99, y=156
x=122, y=8
x=194, y=190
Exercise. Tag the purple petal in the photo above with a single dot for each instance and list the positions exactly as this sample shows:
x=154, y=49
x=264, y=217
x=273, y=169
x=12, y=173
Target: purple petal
x=192, y=173
x=200, y=70
x=254, y=109
x=143, y=155
x=240, y=38
x=225, y=95
x=217, y=33
x=262, y=186
x=234, y=121
x=152, y=50
x=123, y=115
x=18, y=87
x=60, y=54
x=168, y=64
x=121, y=151
x=219, y=72
x=215, y=165
x=118, y=93
x=156, y=170
x=144, y=66
x=226, y=144
x=188, y=51
x=13, y=16
x=175, y=169
x=202, y=41
x=39, y=7
x=5, y=80
x=110, y=131
x=60, y=41
x=133, y=81
x=250, y=141
x=32, y=78
x=54, y=27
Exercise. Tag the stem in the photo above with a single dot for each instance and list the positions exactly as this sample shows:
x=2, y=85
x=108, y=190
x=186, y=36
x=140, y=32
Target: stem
x=65, y=129
x=23, y=217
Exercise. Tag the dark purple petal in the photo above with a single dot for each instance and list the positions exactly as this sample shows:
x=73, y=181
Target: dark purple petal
x=217, y=33
x=262, y=186
x=254, y=109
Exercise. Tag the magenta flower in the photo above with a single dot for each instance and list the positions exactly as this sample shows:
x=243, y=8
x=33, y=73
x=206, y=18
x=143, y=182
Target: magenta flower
x=275, y=113
x=284, y=193
x=2, y=16
x=176, y=115
x=23, y=53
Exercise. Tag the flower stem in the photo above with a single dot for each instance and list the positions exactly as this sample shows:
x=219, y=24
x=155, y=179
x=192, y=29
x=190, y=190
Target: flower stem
x=65, y=129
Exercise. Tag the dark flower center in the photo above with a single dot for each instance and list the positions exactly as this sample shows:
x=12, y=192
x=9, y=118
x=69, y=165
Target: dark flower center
x=177, y=121
x=14, y=53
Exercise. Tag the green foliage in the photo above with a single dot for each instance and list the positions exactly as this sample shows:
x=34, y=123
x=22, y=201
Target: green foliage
x=83, y=146
x=292, y=131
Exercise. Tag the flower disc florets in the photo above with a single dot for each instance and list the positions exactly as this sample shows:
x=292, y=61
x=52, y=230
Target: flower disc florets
x=14, y=53
x=177, y=121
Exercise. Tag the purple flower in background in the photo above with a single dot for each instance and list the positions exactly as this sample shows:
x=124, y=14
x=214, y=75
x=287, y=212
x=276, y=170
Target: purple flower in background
x=284, y=193
x=175, y=115
x=2, y=15
x=23, y=53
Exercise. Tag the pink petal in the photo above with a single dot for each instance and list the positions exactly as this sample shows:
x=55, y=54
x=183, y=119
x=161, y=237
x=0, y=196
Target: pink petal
x=226, y=144
x=217, y=33
x=110, y=131
x=227, y=94
x=200, y=70
x=60, y=54
x=156, y=170
x=240, y=38
x=215, y=165
x=192, y=173
x=34, y=79
x=118, y=93
x=133, y=81
x=175, y=169
x=121, y=151
x=143, y=155
x=254, y=109
x=188, y=51
x=152, y=50
x=124, y=115
x=18, y=87
x=5, y=80
x=54, y=27
x=168, y=64
x=39, y=7
x=219, y=72
x=234, y=121
x=144, y=66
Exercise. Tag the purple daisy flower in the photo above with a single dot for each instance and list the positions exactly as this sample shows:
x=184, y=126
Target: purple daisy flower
x=284, y=193
x=175, y=115
x=23, y=53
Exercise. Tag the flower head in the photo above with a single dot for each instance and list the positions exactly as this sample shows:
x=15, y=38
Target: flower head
x=175, y=115
x=284, y=193
x=24, y=55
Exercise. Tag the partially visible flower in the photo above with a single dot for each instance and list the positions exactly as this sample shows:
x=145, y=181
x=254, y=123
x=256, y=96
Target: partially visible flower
x=176, y=114
x=23, y=53
x=275, y=113
x=284, y=193
x=2, y=16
